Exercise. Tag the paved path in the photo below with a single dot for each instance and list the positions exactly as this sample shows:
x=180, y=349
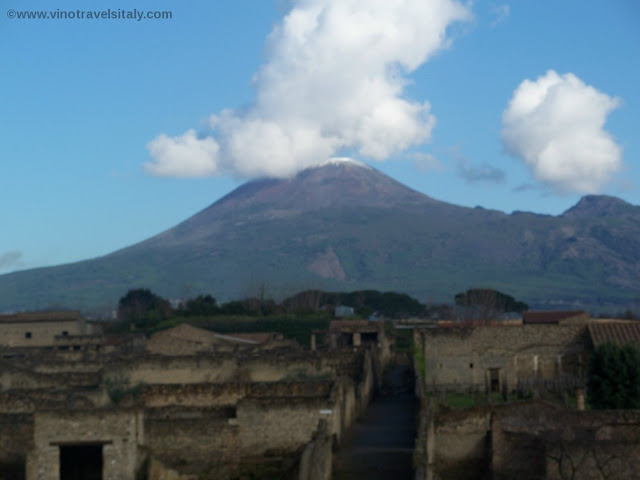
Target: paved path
x=379, y=446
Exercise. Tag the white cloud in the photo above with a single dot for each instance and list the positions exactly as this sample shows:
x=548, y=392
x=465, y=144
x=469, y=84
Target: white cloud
x=500, y=12
x=11, y=261
x=333, y=82
x=555, y=125
x=426, y=161
x=184, y=156
x=483, y=172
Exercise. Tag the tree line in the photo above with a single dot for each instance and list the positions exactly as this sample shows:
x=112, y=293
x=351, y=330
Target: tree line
x=143, y=309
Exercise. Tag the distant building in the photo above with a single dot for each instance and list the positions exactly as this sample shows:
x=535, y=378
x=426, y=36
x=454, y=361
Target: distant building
x=550, y=350
x=40, y=329
x=343, y=311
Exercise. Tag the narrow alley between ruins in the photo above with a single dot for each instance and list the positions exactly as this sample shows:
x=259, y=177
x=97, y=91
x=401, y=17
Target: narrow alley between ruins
x=379, y=446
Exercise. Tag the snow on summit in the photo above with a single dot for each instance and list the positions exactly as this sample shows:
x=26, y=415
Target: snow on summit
x=341, y=161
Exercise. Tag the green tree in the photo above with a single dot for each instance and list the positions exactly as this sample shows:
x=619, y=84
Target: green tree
x=485, y=304
x=143, y=308
x=614, y=377
x=365, y=302
x=202, y=305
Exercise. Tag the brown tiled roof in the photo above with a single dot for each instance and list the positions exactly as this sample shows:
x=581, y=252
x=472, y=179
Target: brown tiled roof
x=32, y=317
x=550, y=316
x=620, y=333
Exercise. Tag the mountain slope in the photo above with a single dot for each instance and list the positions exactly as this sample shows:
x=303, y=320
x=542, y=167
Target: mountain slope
x=344, y=225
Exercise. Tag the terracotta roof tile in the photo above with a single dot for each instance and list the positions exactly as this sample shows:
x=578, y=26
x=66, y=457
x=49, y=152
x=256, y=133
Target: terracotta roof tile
x=620, y=333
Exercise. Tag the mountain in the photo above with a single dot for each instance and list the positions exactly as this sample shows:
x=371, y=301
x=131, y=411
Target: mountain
x=345, y=226
x=600, y=206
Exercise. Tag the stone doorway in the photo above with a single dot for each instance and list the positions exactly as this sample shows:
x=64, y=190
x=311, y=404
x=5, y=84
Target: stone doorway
x=495, y=375
x=81, y=462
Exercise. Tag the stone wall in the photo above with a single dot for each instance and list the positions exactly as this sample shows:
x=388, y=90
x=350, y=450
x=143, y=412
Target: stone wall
x=221, y=394
x=528, y=441
x=266, y=367
x=20, y=379
x=119, y=432
x=16, y=437
x=256, y=423
x=268, y=426
x=563, y=444
x=315, y=463
x=196, y=438
x=38, y=333
x=345, y=407
x=32, y=400
x=464, y=359
x=210, y=414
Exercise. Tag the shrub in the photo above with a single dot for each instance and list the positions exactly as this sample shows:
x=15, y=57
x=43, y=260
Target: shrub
x=614, y=377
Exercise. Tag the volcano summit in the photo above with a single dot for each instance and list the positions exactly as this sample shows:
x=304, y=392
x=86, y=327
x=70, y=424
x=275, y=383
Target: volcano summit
x=344, y=225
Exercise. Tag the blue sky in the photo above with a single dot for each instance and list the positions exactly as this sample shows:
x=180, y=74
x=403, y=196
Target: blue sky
x=114, y=130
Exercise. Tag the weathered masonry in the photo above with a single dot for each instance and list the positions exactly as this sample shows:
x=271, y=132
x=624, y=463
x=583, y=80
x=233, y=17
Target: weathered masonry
x=209, y=407
x=518, y=436
x=100, y=444
x=42, y=329
x=528, y=440
x=501, y=358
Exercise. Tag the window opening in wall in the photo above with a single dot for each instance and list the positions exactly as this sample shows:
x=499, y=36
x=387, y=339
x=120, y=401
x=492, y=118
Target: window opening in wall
x=471, y=365
x=65, y=333
x=27, y=335
x=81, y=462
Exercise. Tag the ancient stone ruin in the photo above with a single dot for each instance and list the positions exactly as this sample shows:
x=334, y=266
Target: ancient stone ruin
x=184, y=404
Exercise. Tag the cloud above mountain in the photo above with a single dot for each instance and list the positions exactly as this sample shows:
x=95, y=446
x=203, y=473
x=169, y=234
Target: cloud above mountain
x=555, y=125
x=333, y=83
x=10, y=261
x=483, y=172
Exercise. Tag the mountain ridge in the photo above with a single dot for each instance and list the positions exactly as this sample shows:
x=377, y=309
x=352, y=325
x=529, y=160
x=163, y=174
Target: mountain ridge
x=347, y=226
x=599, y=205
